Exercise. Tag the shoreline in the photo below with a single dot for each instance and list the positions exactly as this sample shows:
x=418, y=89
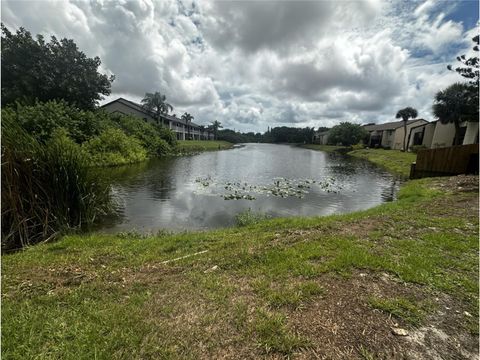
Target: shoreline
x=395, y=266
x=394, y=161
x=392, y=268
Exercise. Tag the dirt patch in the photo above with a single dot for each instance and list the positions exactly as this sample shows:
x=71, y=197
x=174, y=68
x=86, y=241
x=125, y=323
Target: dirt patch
x=460, y=183
x=342, y=324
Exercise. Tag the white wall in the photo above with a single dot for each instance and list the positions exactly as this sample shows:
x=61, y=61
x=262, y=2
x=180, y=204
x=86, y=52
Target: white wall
x=398, y=138
x=428, y=136
x=126, y=110
x=444, y=135
x=387, y=138
x=471, y=134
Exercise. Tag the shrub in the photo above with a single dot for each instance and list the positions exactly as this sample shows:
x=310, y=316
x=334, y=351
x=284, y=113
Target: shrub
x=114, y=147
x=46, y=188
x=167, y=135
x=148, y=134
x=42, y=119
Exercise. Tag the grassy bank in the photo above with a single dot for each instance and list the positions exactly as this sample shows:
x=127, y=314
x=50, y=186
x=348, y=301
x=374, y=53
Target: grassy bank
x=194, y=146
x=394, y=161
x=330, y=287
x=326, y=148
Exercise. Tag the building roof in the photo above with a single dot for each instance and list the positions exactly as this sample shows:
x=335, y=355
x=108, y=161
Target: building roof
x=140, y=108
x=390, y=125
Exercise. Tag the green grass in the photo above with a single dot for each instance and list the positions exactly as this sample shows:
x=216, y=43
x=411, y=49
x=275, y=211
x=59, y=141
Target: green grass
x=193, y=146
x=395, y=161
x=326, y=148
x=105, y=296
x=401, y=308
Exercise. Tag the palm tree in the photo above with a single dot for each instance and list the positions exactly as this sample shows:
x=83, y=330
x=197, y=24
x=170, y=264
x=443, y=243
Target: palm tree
x=156, y=104
x=455, y=104
x=215, y=126
x=188, y=119
x=406, y=114
x=202, y=130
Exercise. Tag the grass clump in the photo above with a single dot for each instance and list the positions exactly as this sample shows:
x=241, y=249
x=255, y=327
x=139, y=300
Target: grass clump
x=291, y=295
x=249, y=217
x=273, y=334
x=401, y=308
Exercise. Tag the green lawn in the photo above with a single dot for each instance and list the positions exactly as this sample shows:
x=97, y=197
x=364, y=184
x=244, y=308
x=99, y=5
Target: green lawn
x=193, y=146
x=326, y=148
x=315, y=287
x=395, y=161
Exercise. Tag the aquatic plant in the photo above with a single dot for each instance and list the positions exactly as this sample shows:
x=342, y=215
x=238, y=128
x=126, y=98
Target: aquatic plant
x=249, y=217
x=281, y=187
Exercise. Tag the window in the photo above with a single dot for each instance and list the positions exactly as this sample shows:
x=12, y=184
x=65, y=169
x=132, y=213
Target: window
x=462, y=132
x=418, y=137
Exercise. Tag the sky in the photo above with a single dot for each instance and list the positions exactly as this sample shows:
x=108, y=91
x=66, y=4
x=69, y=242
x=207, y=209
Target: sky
x=258, y=64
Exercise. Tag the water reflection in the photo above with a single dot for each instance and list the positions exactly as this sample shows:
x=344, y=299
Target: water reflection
x=166, y=193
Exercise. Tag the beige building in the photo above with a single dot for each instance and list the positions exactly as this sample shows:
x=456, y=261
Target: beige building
x=437, y=135
x=390, y=135
x=182, y=130
x=321, y=138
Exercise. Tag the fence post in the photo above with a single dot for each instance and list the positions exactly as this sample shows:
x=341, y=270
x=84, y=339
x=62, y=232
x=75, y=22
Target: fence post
x=412, y=170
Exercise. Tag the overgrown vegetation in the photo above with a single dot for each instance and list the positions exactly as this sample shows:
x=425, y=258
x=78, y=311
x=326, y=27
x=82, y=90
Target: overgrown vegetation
x=46, y=186
x=114, y=147
x=49, y=151
x=284, y=287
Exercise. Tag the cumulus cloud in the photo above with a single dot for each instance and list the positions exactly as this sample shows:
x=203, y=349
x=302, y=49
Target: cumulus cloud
x=253, y=64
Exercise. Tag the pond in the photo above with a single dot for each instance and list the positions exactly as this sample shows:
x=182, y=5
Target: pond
x=208, y=190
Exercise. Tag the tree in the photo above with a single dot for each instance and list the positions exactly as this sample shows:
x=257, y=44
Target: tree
x=188, y=119
x=405, y=114
x=202, y=130
x=470, y=68
x=346, y=134
x=455, y=104
x=36, y=70
x=215, y=126
x=156, y=104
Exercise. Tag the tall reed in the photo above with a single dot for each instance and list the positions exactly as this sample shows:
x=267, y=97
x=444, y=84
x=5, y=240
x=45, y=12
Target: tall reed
x=47, y=188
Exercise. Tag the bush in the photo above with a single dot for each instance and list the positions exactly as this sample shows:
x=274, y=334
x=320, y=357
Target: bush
x=346, y=134
x=46, y=188
x=167, y=135
x=148, y=134
x=114, y=147
x=42, y=119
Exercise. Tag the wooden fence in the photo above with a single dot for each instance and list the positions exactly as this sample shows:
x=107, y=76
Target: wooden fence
x=454, y=160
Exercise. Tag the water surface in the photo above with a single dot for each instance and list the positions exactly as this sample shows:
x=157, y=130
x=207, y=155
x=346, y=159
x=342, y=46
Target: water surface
x=188, y=193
